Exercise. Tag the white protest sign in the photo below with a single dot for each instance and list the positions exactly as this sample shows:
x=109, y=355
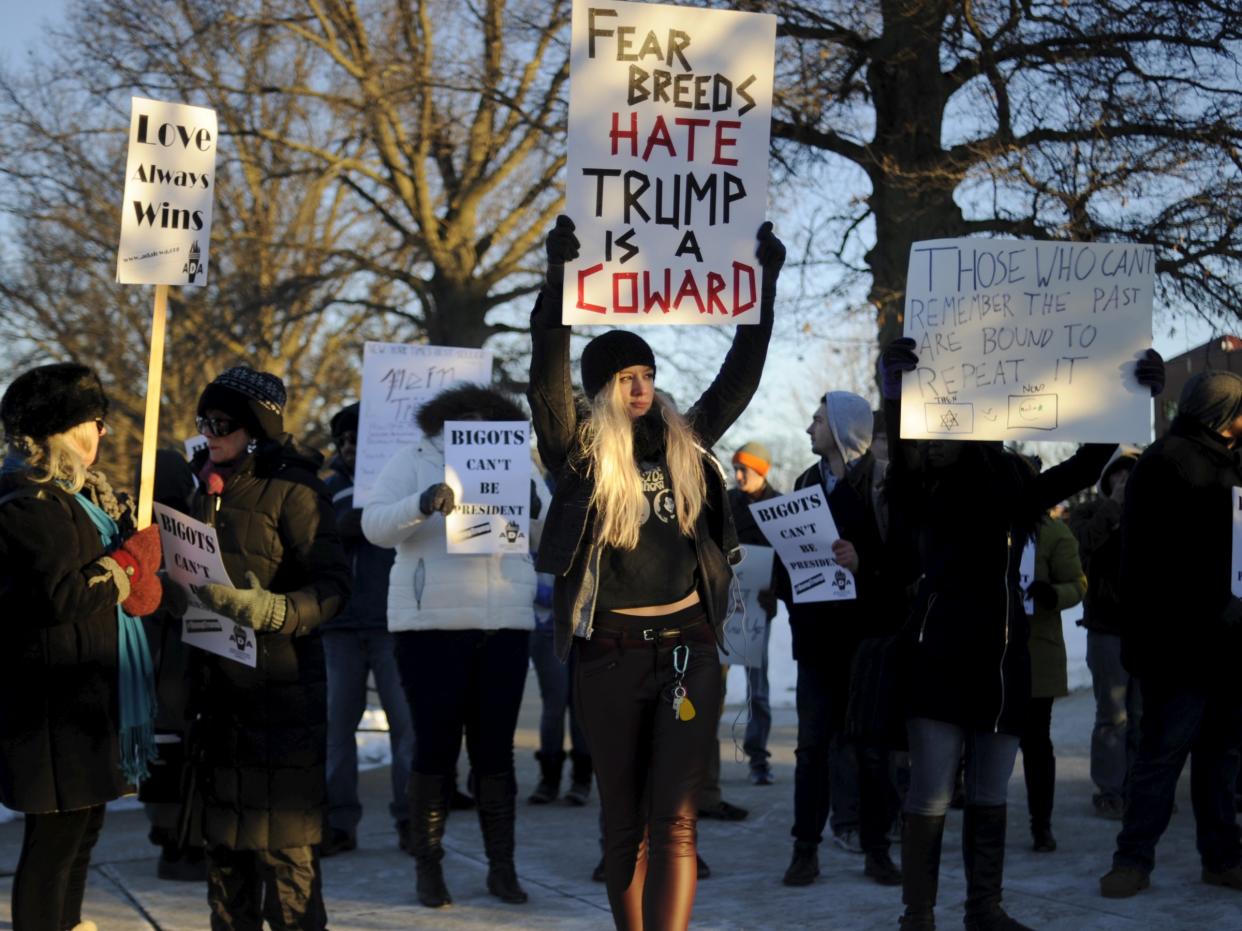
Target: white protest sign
x=170, y=177
x=398, y=379
x=193, y=444
x=1026, y=575
x=746, y=628
x=670, y=110
x=1237, y=542
x=192, y=557
x=801, y=528
x=1025, y=340
x=487, y=464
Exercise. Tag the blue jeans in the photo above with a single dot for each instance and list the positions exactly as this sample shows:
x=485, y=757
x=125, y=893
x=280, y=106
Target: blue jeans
x=936, y=748
x=1182, y=721
x=554, y=692
x=1118, y=707
x=760, y=724
x=349, y=654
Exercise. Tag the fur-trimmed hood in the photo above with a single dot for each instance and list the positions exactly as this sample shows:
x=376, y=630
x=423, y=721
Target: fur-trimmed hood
x=467, y=402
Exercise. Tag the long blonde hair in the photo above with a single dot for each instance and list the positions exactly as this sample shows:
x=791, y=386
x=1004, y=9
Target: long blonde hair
x=57, y=458
x=608, y=449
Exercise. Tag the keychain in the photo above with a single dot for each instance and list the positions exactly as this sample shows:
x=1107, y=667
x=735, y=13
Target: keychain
x=683, y=708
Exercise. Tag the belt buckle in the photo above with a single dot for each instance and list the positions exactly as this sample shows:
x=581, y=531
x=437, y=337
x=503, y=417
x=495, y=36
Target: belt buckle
x=650, y=633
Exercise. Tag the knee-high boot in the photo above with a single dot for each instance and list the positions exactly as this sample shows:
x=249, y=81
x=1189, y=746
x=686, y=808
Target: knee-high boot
x=428, y=814
x=496, y=797
x=921, y=838
x=983, y=852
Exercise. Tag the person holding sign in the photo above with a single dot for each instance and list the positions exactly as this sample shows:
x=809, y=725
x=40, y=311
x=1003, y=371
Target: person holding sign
x=1181, y=633
x=639, y=538
x=968, y=509
x=261, y=733
x=462, y=623
x=77, y=696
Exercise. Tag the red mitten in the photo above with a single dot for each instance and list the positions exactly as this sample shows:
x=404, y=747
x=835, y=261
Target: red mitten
x=139, y=559
x=144, y=547
x=145, y=595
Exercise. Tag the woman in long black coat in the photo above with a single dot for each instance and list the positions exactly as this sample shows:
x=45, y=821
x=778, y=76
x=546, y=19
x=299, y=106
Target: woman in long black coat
x=260, y=733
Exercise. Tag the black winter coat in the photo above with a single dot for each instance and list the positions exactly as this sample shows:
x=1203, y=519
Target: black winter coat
x=59, y=718
x=369, y=565
x=261, y=733
x=1097, y=527
x=1181, y=623
x=568, y=549
x=967, y=524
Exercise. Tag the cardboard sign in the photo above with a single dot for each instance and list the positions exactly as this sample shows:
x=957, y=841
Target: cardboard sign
x=192, y=557
x=1026, y=575
x=669, y=116
x=1236, y=583
x=746, y=627
x=398, y=379
x=487, y=464
x=801, y=528
x=1025, y=340
x=170, y=177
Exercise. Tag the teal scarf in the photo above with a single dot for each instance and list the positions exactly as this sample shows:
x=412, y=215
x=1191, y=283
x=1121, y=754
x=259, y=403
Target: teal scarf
x=136, y=678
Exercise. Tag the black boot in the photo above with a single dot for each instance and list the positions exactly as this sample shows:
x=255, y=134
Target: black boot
x=921, y=837
x=550, y=765
x=804, y=866
x=428, y=814
x=580, y=788
x=496, y=797
x=983, y=852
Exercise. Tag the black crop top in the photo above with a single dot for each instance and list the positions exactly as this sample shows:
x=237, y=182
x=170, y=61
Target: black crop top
x=663, y=568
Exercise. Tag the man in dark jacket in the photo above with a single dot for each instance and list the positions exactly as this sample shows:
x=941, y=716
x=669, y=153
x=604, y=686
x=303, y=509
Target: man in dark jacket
x=1182, y=634
x=357, y=642
x=826, y=635
x=751, y=465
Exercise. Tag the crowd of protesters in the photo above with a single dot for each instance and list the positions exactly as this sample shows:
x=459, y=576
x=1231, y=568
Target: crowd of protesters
x=922, y=688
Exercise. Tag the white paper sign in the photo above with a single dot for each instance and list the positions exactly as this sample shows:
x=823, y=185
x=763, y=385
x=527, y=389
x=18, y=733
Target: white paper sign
x=170, y=177
x=1237, y=542
x=398, y=379
x=192, y=557
x=746, y=628
x=1026, y=575
x=801, y=528
x=487, y=464
x=1025, y=340
x=193, y=444
x=670, y=110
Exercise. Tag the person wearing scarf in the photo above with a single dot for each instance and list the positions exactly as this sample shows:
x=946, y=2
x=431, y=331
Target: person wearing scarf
x=76, y=692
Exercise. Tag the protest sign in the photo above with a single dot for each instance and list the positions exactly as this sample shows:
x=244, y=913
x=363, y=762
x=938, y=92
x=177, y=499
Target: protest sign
x=669, y=116
x=745, y=629
x=801, y=528
x=1237, y=542
x=398, y=379
x=487, y=464
x=1025, y=340
x=1026, y=575
x=192, y=557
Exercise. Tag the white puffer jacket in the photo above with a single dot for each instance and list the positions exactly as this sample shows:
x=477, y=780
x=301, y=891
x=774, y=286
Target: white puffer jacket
x=429, y=589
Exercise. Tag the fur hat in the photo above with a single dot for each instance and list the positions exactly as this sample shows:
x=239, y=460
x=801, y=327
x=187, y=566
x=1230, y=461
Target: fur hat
x=255, y=399
x=754, y=456
x=50, y=399
x=466, y=402
x=345, y=420
x=608, y=354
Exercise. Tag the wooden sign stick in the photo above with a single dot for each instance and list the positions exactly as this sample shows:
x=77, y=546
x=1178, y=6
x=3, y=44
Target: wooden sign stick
x=151, y=423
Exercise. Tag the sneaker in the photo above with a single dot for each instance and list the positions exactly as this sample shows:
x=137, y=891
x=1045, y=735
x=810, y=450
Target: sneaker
x=705, y=871
x=1109, y=806
x=724, y=811
x=578, y=794
x=1122, y=882
x=761, y=775
x=804, y=866
x=1229, y=879
x=337, y=841
x=848, y=841
x=880, y=867
x=598, y=875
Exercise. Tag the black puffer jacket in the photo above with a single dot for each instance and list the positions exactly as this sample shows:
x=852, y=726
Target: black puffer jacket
x=967, y=524
x=261, y=733
x=59, y=720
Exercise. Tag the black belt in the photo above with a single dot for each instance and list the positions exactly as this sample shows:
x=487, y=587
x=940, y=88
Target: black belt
x=650, y=634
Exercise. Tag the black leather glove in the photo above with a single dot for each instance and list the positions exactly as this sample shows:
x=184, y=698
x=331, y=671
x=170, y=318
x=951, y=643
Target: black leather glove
x=1043, y=594
x=1149, y=371
x=437, y=497
x=898, y=356
x=561, y=244
x=536, y=506
x=767, y=601
x=769, y=250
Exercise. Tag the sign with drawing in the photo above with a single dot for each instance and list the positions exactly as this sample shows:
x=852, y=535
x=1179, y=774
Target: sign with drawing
x=745, y=630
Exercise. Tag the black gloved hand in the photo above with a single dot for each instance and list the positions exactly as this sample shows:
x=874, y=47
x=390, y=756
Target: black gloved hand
x=767, y=601
x=536, y=506
x=898, y=356
x=1149, y=371
x=769, y=250
x=561, y=244
x=1043, y=594
x=437, y=497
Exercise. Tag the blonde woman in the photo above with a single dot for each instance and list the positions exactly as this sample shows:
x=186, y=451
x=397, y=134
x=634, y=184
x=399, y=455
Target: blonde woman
x=639, y=537
x=76, y=692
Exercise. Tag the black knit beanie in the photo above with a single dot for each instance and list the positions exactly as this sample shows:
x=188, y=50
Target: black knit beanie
x=345, y=420
x=50, y=399
x=608, y=354
x=255, y=399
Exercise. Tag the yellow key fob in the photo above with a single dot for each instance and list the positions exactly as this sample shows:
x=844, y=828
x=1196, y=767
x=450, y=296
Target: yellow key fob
x=686, y=712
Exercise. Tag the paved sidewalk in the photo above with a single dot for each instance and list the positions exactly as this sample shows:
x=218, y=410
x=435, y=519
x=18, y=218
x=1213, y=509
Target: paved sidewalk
x=373, y=887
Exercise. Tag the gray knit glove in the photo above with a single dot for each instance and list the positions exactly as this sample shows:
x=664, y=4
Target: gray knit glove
x=253, y=606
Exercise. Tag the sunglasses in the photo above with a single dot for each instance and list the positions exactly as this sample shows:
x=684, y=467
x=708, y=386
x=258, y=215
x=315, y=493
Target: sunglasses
x=216, y=426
